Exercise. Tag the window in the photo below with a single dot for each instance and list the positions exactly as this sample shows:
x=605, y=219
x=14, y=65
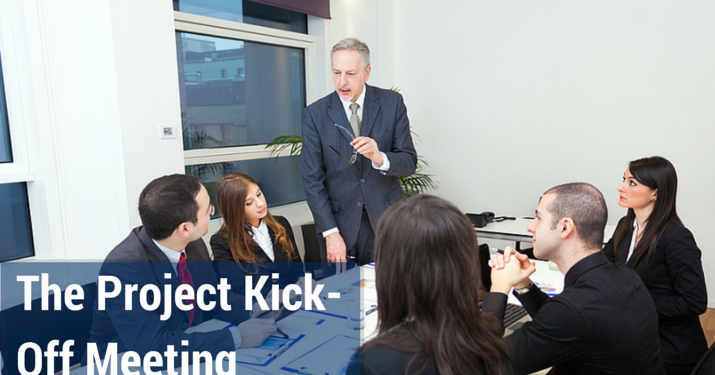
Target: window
x=5, y=150
x=15, y=225
x=241, y=86
x=246, y=12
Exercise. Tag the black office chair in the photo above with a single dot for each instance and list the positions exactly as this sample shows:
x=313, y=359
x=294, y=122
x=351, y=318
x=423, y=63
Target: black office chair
x=706, y=365
x=313, y=261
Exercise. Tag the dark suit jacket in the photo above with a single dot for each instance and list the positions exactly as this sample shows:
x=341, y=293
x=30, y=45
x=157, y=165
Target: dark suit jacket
x=290, y=270
x=674, y=277
x=335, y=190
x=604, y=322
x=137, y=260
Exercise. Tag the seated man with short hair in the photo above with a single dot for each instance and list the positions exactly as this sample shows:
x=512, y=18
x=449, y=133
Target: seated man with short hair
x=604, y=321
x=168, y=250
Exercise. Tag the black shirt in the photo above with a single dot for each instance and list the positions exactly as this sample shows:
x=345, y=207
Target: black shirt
x=604, y=322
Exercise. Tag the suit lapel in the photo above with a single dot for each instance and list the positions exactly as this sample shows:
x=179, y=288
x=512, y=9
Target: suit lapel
x=623, y=248
x=160, y=264
x=371, y=107
x=278, y=255
x=622, y=252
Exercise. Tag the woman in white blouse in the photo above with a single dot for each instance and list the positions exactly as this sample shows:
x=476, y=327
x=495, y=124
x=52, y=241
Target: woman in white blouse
x=251, y=241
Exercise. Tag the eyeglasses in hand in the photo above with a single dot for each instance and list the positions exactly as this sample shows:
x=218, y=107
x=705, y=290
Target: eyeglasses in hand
x=353, y=157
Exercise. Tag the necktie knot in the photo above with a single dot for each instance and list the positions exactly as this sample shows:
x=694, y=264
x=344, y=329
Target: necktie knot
x=354, y=107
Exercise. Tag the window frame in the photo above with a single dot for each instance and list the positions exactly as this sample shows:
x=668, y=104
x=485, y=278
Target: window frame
x=192, y=23
x=18, y=170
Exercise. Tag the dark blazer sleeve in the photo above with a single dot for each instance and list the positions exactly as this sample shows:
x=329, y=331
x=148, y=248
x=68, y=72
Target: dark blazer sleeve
x=402, y=154
x=533, y=300
x=495, y=305
x=312, y=166
x=203, y=273
x=296, y=263
x=682, y=258
x=143, y=331
x=225, y=266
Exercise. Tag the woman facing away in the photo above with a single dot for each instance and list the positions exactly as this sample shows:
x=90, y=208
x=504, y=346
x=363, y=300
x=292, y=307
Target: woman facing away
x=652, y=240
x=427, y=280
x=251, y=241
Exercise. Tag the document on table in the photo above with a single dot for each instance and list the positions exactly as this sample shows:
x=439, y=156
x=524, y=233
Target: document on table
x=262, y=355
x=362, y=290
x=267, y=352
x=331, y=357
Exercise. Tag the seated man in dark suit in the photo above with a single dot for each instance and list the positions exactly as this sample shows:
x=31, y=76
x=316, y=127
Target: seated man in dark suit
x=175, y=211
x=604, y=322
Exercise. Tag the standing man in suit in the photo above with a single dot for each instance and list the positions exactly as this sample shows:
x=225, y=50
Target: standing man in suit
x=356, y=142
x=175, y=211
x=604, y=321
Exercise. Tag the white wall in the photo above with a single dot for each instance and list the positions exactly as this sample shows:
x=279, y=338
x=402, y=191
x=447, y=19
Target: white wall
x=511, y=98
x=96, y=79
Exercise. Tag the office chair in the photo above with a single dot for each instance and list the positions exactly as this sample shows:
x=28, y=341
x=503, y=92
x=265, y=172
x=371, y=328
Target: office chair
x=312, y=261
x=706, y=365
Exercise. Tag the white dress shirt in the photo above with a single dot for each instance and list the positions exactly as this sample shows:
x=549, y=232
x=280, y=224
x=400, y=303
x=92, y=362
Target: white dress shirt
x=263, y=239
x=633, y=239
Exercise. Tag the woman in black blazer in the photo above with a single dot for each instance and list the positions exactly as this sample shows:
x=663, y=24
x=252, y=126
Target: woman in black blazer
x=251, y=242
x=652, y=240
x=427, y=281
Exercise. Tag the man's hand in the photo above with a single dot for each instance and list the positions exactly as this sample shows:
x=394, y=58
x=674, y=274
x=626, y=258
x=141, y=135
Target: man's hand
x=509, y=270
x=255, y=331
x=500, y=260
x=335, y=246
x=367, y=147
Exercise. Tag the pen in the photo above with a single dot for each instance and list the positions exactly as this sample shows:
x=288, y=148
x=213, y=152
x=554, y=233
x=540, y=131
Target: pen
x=279, y=351
x=285, y=336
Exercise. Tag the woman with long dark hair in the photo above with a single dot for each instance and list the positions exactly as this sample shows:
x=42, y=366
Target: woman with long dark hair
x=652, y=240
x=251, y=241
x=427, y=280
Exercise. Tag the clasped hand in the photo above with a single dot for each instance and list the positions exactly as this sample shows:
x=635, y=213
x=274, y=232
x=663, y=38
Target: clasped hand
x=510, y=269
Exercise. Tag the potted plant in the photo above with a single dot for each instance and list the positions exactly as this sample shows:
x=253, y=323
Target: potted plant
x=416, y=183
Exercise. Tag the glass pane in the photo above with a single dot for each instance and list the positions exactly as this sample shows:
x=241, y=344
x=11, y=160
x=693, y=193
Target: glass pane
x=15, y=226
x=236, y=93
x=5, y=150
x=246, y=12
x=279, y=180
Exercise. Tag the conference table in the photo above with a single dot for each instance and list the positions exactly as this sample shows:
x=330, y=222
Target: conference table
x=315, y=330
x=320, y=334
